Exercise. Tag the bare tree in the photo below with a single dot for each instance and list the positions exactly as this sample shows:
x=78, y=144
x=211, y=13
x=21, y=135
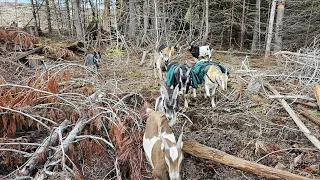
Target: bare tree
x=48, y=16
x=106, y=16
x=270, y=28
x=256, y=29
x=35, y=18
x=205, y=36
x=77, y=19
x=132, y=20
x=279, y=24
x=70, y=27
x=242, y=25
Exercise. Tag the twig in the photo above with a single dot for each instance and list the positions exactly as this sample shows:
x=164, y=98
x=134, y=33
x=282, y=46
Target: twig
x=291, y=97
x=26, y=144
x=97, y=138
x=311, y=149
x=20, y=112
x=26, y=154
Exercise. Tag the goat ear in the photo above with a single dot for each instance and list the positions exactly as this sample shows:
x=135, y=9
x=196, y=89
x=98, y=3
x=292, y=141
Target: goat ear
x=180, y=70
x=165, y=144
x=164, y=92
x=175, y=92
x=189, y=70
x=180, y=143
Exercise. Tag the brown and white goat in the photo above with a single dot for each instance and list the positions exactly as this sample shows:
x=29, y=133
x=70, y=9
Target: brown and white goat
x=161, y=59
x=163, y=152
x=212, y=79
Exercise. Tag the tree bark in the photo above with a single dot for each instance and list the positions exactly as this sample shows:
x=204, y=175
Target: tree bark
x=35, y=18
x=270, y=28
x=35, y=159
x=77, y=19
x=70, y=27
x=206, y=33
x=106, y=16
x=146, y=13
x=279, y=25
x=256, y=29
x=198, y=150
x=48, y=16
x=242, y=25
x=132, y=20
x=156, y=23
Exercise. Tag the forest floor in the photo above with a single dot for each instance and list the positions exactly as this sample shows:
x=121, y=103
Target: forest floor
x=244, y=124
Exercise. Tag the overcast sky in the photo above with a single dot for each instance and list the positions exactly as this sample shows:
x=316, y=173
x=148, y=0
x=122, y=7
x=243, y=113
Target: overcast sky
x=19, y=1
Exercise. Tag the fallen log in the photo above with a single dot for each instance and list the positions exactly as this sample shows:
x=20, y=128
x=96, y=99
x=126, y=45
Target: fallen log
x=295, y=118
x=35, y=159
x=306, y=113
x=27, y=53
x=198, y=150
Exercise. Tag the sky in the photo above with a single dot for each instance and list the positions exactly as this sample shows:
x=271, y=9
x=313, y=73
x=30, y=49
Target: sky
x=19, y=1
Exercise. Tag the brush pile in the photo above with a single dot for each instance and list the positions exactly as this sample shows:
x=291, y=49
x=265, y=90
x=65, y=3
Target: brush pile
x=303, y=64
x=66, y=116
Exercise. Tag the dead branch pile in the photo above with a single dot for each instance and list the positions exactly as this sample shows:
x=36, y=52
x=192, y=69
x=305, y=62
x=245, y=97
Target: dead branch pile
x=16, y=39
x=303, y=64
x=100, y=124
x=59, y=53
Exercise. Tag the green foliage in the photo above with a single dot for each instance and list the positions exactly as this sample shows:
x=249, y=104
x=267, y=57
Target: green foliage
x=115, y=52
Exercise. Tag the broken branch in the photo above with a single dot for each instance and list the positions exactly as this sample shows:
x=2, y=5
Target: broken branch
x=198, y=150
x=291, y=97
x=295, y=118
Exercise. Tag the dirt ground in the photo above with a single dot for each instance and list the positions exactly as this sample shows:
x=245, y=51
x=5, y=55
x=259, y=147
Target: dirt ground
x=245, y=125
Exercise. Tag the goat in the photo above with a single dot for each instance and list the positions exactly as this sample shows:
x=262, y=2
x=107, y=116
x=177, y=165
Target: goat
x=162, y=58
x=179, y=74
x=93, y=59
x=212, y=79
x=200, y=51
x=168, y=103
x=162, y=151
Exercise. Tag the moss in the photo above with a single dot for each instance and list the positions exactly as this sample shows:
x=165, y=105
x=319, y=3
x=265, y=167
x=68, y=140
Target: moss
x=135, y=74
x=115, y=52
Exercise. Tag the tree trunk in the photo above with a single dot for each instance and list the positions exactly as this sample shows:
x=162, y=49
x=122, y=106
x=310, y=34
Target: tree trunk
x=48, y=16
x=242, y=25
x=231, y=24
x=270, y=28
x=205, y=36
x=256, y=29
x=92, y=9
x=106, y=16
x=279, y=24
x=35, y=18
x=70, y=27
x=156, y=23
x=145, y=16
x=132, y=20
x=77, y=19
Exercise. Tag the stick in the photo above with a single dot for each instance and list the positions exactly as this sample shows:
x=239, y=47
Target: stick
x=310, y=104
x=291, y=97
x=198, y=150
x=306, y=113
x=27, y=53
x=295, y=118
x=35, y=159
x=143, y=59
x=317, y=93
